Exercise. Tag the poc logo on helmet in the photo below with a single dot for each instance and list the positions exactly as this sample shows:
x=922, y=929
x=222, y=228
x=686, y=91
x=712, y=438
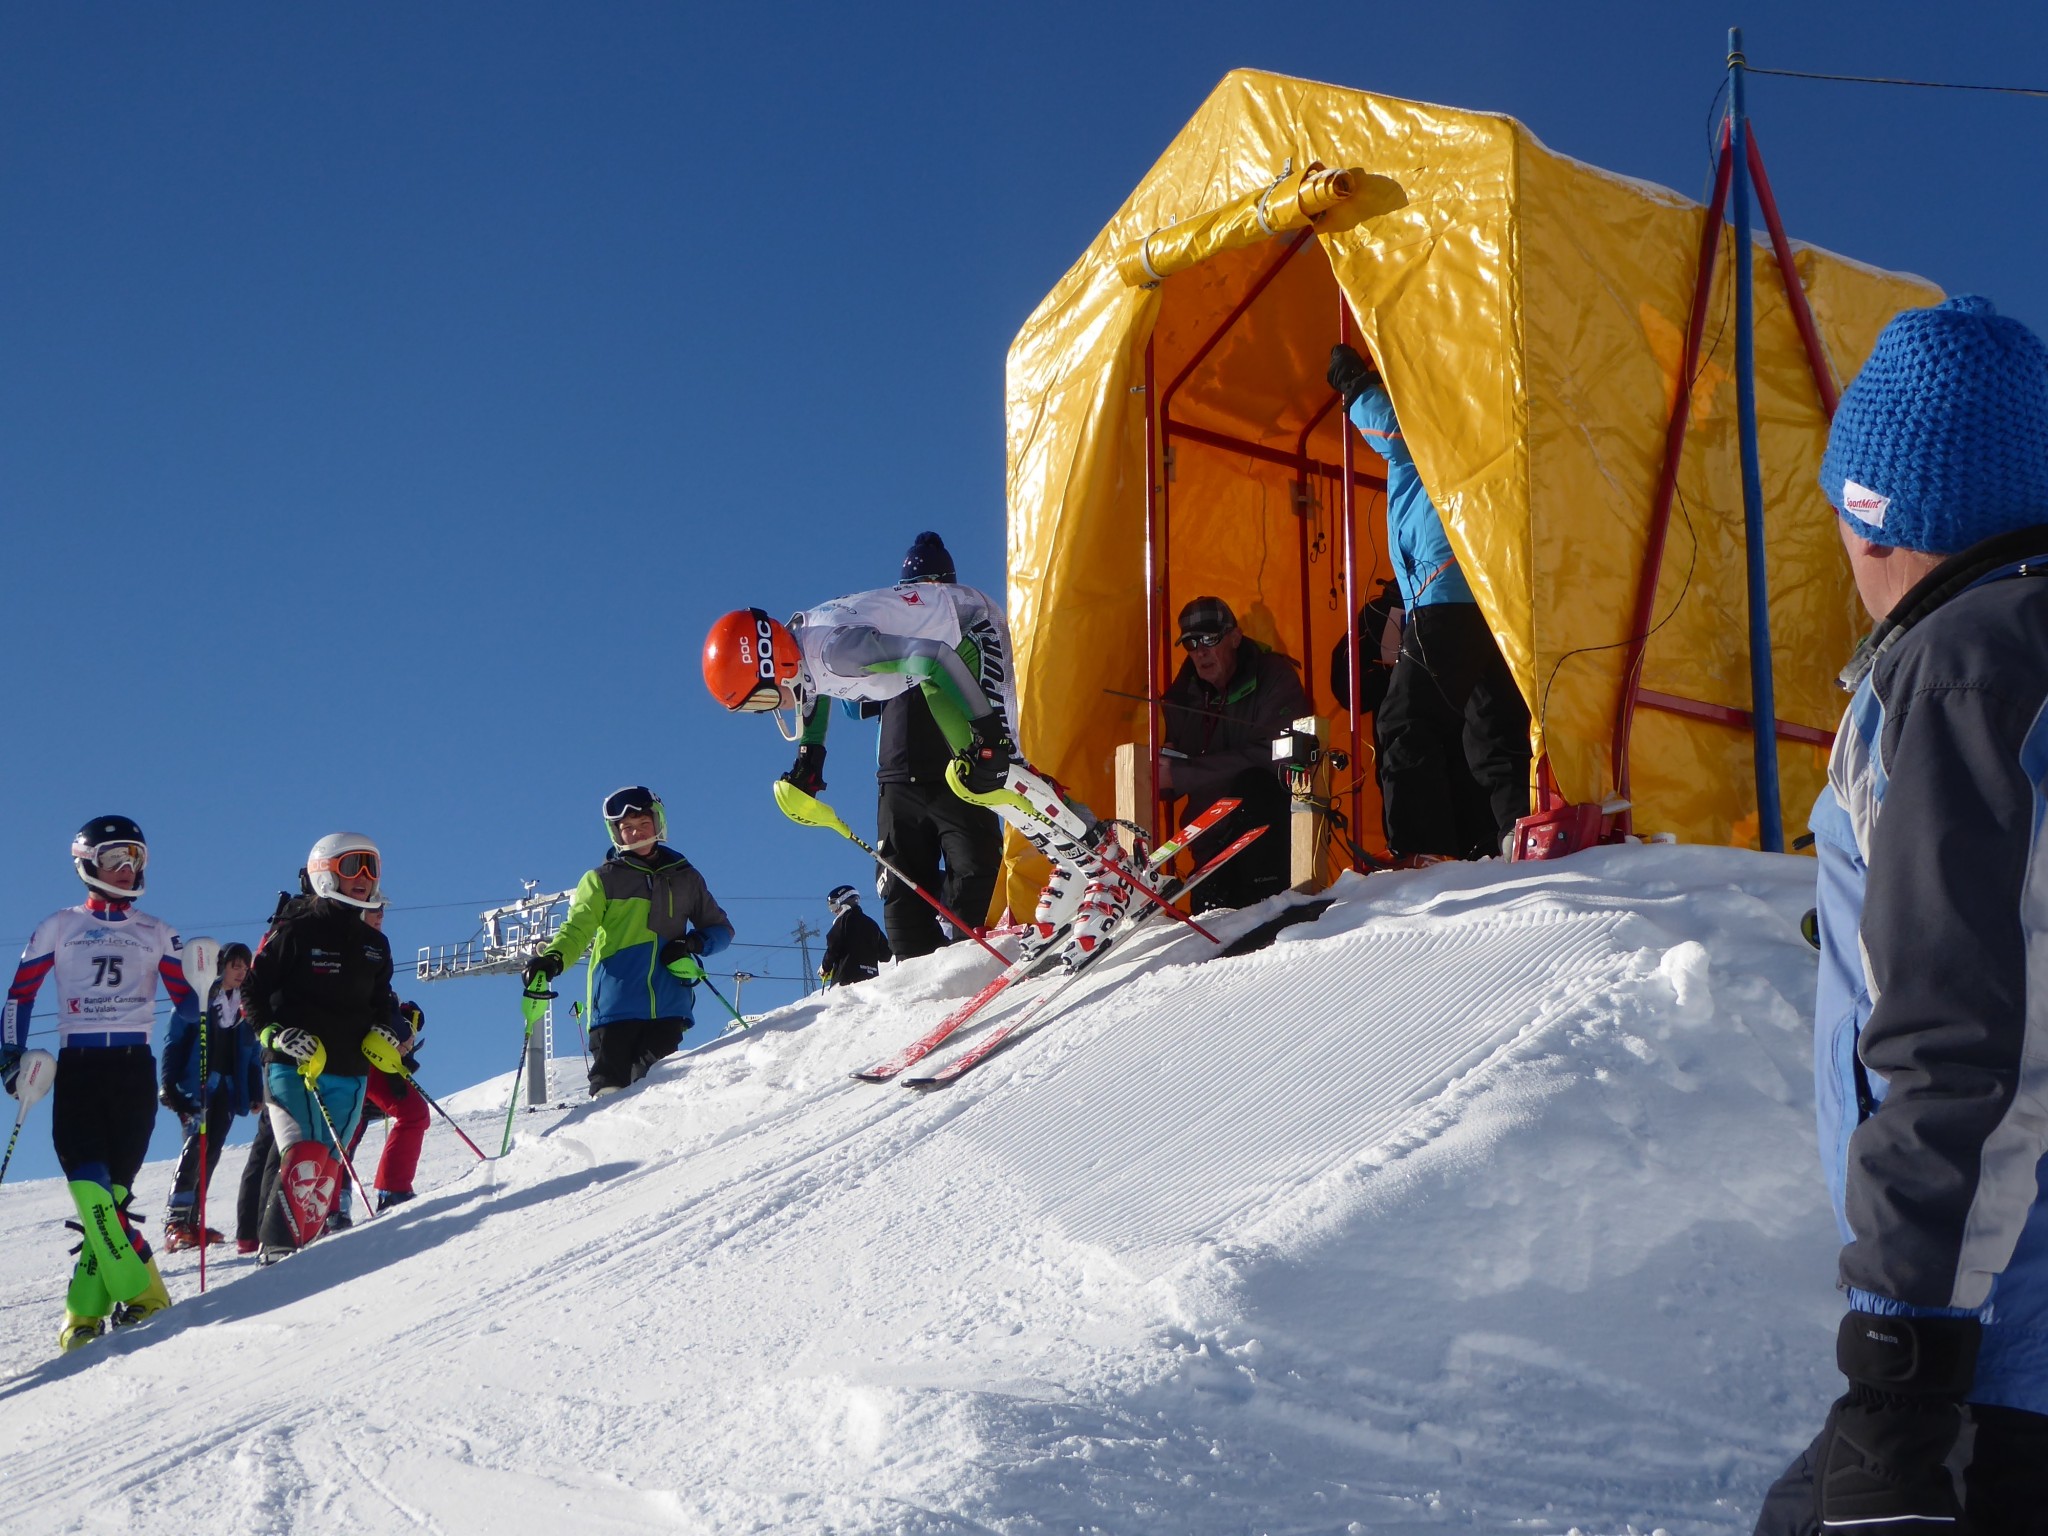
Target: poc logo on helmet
x=766, y=666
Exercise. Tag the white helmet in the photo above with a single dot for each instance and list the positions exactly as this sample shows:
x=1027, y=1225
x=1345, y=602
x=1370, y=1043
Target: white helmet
x=344, y=855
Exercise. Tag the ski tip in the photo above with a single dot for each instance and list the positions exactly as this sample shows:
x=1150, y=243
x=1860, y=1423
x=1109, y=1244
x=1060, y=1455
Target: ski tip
x=925, y=1084
x=872, y=1075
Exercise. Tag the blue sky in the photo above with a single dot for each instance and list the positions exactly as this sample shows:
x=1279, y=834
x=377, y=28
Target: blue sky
x=390, y=395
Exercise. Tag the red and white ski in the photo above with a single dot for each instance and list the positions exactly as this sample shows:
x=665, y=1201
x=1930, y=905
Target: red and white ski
x=1044, y=960
x=1032, y=1016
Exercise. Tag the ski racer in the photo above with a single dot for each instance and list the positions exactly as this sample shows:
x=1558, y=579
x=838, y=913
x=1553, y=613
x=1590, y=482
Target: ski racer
x=319, y=986
x=647, y=918
x=949, y=642
x=947, y=845
x=231, y=1088
x=854, y=945
x=1931, y=1036
x=108, y=958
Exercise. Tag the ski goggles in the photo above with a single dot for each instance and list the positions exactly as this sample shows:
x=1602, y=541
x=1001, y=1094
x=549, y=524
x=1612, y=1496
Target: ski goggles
x=108, y=857
x=638, y=800
x=355, y=862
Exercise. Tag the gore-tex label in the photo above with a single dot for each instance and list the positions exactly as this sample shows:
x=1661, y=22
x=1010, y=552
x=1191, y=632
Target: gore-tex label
x=1864, y=504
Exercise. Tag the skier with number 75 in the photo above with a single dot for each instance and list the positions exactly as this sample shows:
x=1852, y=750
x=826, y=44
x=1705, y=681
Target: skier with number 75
x=107, y=958
x=953, y=645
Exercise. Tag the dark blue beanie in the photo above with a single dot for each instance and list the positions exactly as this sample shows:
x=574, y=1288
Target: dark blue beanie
x=1942, y=440
x=927, y=560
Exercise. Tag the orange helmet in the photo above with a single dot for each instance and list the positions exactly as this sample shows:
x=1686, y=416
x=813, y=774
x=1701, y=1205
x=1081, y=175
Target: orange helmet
x=747, y=657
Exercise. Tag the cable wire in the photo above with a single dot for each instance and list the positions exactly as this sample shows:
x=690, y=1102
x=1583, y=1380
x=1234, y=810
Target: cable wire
x=1925, y=85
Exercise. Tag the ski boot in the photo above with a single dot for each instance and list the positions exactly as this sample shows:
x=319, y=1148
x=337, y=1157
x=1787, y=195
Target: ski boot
x=387, y=1199
x=85, y=1300
x=181, y=1232
x=1106, y=903
x=1057, y=904
x=152, y=1300
x=339, y=1221
x=245, y=1246
x=78, y=1332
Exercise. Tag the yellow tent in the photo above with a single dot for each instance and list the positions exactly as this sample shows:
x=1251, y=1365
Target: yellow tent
x=1528, y=313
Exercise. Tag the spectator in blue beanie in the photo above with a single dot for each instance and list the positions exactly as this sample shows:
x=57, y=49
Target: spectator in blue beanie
x=1931, y=1041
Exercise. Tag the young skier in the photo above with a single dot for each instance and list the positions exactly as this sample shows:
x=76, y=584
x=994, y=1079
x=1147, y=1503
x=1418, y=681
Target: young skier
x=230, y=1089
x=107, y=958
x=647, y=917
x=949, y=642
x=854, y=946
x=320, y=985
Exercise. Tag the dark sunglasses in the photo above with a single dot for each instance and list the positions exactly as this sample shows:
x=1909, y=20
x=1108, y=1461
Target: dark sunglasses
x=1201, y=642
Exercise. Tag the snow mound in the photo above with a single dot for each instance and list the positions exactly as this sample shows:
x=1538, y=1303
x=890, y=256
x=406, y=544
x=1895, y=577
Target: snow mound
x=1487, y=1199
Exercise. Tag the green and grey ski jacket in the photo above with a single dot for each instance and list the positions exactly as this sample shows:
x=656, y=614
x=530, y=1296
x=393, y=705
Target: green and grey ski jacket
x=623, y=911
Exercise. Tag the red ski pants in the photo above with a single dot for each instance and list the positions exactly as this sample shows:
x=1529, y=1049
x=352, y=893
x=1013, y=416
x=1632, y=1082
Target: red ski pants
x=404, y=1134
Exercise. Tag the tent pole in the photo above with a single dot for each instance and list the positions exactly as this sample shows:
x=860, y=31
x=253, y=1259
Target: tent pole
x=1155, y=514
x=1350, y=498
x=1304, y=507
x=1795, y=291
x=1667, y=479
x=1763, y=704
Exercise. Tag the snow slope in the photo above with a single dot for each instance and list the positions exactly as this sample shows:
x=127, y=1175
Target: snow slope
x=1487, y=1201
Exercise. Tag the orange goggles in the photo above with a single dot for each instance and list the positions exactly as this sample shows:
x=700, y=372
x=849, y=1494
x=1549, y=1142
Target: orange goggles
x=357, y=861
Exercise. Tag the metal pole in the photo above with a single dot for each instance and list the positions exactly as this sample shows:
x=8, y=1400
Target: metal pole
x=803, y=934
x=1154, y=500
x=1350, y=501
x=1667, y=480
x=1763, y=704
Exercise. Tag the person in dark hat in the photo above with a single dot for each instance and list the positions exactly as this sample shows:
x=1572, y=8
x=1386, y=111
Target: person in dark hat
x=1225, y=706
x=952, y=848
x=854, y=946
x=1931, y=1040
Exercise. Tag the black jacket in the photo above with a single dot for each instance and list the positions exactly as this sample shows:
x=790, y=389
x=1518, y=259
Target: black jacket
x=913, y=749
x=1229, y=730
x=854, y=949
x=323, y=969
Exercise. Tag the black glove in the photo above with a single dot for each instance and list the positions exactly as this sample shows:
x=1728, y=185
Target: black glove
x=807, y=773
x=1348, y=373
x=1878, y=1463
x=691, y=944
x=10, y=1066
x=986, y=759
x=176, y=1101
x=541, y=969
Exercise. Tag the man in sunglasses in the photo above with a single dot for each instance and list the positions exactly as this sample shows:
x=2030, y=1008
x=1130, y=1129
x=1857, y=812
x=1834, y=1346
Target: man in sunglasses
x=318, y=989
x=648, y=919
x=107, y=959
x=1230, y=699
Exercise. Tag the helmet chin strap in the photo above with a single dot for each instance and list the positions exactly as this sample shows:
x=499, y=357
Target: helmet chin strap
x=800, y=694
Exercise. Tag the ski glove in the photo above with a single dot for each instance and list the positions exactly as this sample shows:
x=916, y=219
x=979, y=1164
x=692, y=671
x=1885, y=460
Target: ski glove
x=807, y=773
x=302, y=1046
x=541, y=969
x=381, y=1049
x=1348, y=373
x=1879, y=1461
x=176, y=1101
x=689, y=946
x=10, y=1066
x=985, y=762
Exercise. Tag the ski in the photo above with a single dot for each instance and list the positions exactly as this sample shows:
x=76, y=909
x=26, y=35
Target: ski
x=1024, y=970
x=1029, y=1018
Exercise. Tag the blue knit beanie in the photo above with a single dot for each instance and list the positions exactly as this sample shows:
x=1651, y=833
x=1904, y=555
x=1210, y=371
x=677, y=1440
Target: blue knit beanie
x=1942, y=439
x=927, y=560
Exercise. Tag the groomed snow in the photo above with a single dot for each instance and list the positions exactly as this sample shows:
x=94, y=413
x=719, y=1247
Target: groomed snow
x=1487, y=1201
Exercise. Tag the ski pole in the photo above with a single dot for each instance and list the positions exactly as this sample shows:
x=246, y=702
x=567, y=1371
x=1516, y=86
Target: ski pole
x=313, y=1093
x=738, y=1017
x=432, y=1103
x=32, y=1079
x=809, y=811
x=532, y=1003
